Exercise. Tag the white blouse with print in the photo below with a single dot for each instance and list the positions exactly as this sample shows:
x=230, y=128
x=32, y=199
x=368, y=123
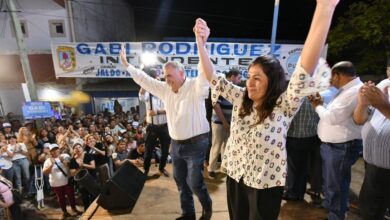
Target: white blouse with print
x=257, y=152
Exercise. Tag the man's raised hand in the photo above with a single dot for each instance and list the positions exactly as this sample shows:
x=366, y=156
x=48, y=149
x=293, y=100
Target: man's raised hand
x=123, y=56
x=202, y=32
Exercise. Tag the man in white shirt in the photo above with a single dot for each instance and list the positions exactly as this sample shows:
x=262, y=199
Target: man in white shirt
x=157, y=129
x=373, y=111
x=184, y=101
x=340, y=138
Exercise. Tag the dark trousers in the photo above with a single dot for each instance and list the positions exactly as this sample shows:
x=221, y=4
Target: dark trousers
x=188, y=162
x=375, y=193
x=63, y=191
x=86, y=197
x=337, y=159
x=155, y=133
x=299, y=151
x=315, y=167
x=247, y=203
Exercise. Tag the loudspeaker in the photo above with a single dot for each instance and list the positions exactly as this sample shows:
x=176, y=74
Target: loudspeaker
x=84, y=179
x=121, y=192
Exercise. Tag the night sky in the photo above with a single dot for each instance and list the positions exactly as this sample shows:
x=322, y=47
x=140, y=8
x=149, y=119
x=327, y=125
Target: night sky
x=155, y=20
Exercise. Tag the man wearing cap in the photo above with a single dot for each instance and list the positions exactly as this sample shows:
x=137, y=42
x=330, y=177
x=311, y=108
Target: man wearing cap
x=157, y=129
x=7, y=130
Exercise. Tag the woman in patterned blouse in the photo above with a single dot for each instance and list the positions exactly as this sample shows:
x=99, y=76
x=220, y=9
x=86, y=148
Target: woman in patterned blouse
x=255, y=156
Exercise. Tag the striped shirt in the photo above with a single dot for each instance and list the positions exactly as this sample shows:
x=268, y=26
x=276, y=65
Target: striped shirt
x=305, y=122
x=376, y=139
x=226, y=108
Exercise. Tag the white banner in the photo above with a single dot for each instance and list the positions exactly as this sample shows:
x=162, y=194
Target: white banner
x=101, y=59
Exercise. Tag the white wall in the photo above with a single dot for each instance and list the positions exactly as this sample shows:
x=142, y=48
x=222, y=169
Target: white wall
x=12, y=98
x=37, y=14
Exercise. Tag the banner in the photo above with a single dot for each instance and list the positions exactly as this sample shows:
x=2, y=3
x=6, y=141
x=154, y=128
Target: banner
x=101, y=59
x=34, y=110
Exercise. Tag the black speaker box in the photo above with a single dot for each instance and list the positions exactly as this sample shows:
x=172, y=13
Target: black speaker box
x=121, y=192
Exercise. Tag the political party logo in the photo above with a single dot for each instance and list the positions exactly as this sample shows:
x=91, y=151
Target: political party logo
x=292, y=59
x=66, y=58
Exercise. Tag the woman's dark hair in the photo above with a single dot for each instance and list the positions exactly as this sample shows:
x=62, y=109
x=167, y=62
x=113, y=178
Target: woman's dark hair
x=276, y=86
x=40, y=132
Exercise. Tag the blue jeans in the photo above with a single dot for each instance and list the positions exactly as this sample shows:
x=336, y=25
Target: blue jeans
x=188, y=162
x=21, y=167
x=337, y=160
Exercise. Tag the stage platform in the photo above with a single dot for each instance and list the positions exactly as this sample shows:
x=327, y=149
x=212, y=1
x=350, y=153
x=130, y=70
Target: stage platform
x=159, y=200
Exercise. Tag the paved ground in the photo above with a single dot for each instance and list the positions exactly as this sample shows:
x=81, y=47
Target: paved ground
x=160, y=200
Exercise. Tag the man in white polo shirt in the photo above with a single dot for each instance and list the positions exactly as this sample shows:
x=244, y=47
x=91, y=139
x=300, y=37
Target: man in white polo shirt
x=184, y=101
x=340, y=138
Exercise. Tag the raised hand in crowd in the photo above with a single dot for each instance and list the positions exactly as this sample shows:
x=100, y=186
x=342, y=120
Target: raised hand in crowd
x=377, y=98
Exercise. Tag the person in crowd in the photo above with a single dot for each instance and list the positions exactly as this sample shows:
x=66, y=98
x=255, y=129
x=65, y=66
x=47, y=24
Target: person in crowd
x=131, y=144
x=139, y=153
x=220, y=125
x=42, y=157
x=373, y=111
x=83, y=160
x=20, y=163
x=340, y=136
x=3, y=140
x=6, y=165
x=157, y=128
x=255, y=155
x=82, y=132
x=8, y=130
x=303, y=145
x=60, y=134
x=15, y=125
x=184, y=104
x=44, y=138
x=130, y=131
x=117, y=107
x=30, y=141
x=57, y=168
x=139, y=135
x=30, y=125
x=121, y=155
x=110, y=145
x=92, y=129
x=98, y=151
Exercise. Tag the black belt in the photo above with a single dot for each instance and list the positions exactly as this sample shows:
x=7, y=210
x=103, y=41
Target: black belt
x=192, y=139
x=161, y=125
x=347, y=142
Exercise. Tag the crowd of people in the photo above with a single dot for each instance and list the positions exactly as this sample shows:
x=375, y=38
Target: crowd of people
x=98, y=143
x=273, y=136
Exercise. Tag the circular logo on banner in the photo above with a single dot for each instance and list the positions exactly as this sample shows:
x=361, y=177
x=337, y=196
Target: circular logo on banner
x=292, y=60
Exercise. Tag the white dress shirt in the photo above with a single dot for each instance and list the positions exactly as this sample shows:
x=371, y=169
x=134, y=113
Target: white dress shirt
x=185, y=110
x=157, y=105
x=336, y=123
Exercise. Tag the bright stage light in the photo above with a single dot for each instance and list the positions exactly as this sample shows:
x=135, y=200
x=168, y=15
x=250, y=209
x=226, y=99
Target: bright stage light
x=148, y=59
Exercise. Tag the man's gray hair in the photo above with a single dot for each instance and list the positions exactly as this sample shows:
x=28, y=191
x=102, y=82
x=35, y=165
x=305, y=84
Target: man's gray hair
x=175, y=65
